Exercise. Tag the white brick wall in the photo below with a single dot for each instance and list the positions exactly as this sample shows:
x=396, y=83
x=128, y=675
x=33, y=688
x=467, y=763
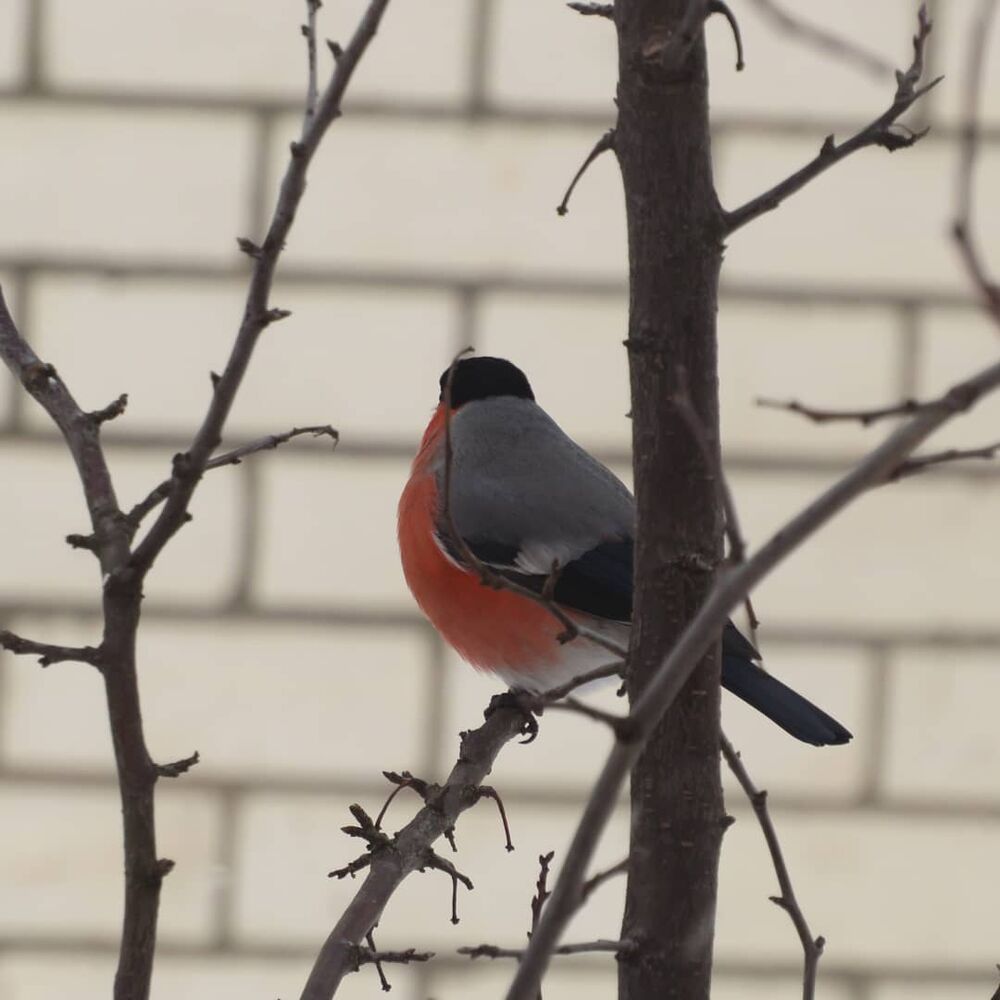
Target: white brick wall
x=176, y=187
x=280, y=640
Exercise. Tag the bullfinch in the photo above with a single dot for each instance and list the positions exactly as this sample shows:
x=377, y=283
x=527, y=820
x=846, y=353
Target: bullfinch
x=524, y=498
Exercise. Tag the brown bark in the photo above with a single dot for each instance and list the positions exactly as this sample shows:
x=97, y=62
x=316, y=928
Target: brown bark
x=675, y=252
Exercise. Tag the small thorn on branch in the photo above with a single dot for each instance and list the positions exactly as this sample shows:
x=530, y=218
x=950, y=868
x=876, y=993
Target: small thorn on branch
x=433, y=860
x=88, y=542
x=401, y=781
x=606, y=142
x=178, y=767
x=112, y=410
x=336, y=49
x=275, y=316
x=488, y=792
x=593, y=9
x=718, y=7
x=248, y=247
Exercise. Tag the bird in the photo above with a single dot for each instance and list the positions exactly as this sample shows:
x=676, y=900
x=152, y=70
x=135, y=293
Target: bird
x=525, y=500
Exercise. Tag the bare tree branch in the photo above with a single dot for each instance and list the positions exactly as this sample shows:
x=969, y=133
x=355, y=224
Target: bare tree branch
x=189, y=467
x=962, y=229
x=123, y=570
x=864, y=417
x=48, y=653
x=826, y=41
x=312, y=86
x=618, y=948
x=878, y=133
x=82, y=434
x=156, y=496
x=920, y=463
x=812, y=948
x=730, y=588
x=397, y=857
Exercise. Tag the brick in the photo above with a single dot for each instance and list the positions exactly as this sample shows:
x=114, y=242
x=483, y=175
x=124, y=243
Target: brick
x=826, y=357
x=42, y=502
x=941, y=733
x=595, y=978
x=934, y=990
x=288, y=843
x=471, y=200
x=13, y=22
x=555, y=339
x=179, y=49
x=864, y=882
x=954, y=25
x=30, y=975
x=153, y=183
x=954, y=345
x=837, y=679
x=842, y=230
x=329, y=532
x=786, y=77
x=234, y=978
x=527, y=70
x=321, y=678
x=158, y=339
x=56, y=884
x=876, y=565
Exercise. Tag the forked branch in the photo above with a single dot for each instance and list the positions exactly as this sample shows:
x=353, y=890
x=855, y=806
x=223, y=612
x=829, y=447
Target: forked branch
x=879, y=133
x=812, y=948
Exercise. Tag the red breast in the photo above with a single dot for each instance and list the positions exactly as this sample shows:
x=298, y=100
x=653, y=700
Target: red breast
x=492, y=629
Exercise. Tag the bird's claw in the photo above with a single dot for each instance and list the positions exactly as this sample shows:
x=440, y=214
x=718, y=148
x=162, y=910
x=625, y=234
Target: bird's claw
x=515, y=699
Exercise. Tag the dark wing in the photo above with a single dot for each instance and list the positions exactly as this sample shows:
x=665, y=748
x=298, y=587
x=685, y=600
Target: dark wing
x=598, y=583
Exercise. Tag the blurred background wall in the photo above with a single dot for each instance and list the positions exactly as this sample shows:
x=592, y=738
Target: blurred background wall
x=139, y=139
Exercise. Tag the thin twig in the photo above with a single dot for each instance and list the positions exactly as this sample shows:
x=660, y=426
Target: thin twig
x=617, y=948
x=606, y=142
x=541, y=889
x=877, y=133
x=312, y=86
x=826, y=41
x=718, y=7
x=405, y=853
x=160, y=493
x=596, y=881
x=730, y=588
x=734, y=532
x=865, y=417
x=812, y=948
x=257, y=313
x=48, y=653
x=918, y=464
x=962, y=228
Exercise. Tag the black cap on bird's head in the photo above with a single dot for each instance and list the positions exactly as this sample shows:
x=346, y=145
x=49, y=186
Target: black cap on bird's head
x=484, y=378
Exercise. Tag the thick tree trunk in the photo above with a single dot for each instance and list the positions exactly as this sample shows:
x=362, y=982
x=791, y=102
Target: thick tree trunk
x=675, y=252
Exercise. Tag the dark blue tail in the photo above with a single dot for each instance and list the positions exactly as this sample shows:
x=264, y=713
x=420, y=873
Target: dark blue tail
x=795, y=714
